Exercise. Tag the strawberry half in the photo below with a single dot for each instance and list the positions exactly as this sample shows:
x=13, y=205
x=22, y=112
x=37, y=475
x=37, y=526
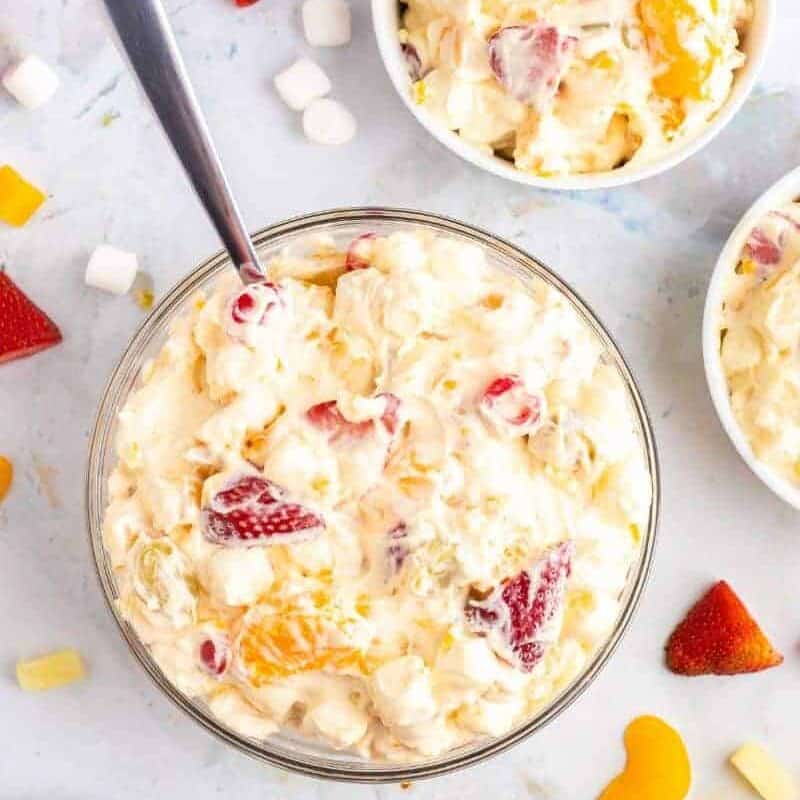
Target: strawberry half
x=24, y=328
x=253, y=511
x=719, y=637
x=516, y=615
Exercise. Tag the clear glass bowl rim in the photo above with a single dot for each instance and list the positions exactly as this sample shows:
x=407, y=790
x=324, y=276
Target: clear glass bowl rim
x=128, y=368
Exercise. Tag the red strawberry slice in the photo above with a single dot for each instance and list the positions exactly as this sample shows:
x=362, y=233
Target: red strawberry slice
x=397, y=549
x=515, y=615
x=253, y=304
x=761, y=249
x=506, y=401
x=251, y=510
x=530, y=60
x=245, y=3
x=359, y=252
x=215, y=656
x=719, y=637
x=328, y=418
x=24, y=328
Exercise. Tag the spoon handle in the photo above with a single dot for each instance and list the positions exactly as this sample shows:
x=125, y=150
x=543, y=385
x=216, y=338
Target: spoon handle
x=147, y=38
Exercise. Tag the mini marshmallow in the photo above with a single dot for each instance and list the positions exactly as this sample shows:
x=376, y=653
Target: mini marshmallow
x=302, y=83
x=111, y=269
x=326, y=22
x=31, y=82
x=328, y=122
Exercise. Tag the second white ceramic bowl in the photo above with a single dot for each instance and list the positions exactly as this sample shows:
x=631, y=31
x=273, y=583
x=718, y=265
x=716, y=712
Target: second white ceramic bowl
x=385, y=17
x=784, y=191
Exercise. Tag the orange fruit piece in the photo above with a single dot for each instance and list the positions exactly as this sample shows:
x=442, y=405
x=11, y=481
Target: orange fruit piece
x=684, y=73
x=275, y=644
x=6, y=477
x=657, y=766
x=18, y=198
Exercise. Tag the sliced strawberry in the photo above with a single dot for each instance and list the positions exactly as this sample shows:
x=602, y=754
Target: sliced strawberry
x=327, y=417
x=24, y=328
x=397, y=549
x=761, y=249
x=254, y=511
x=215, y=655
x=506, y=402
x=530, y=60
x=719, y=637
x=413, y=60
x=359, y=252
x=253, y=304
x=516, y=614
x=245, y=3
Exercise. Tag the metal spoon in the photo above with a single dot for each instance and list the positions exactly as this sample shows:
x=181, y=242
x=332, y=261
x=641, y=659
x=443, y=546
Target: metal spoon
x=147, y=38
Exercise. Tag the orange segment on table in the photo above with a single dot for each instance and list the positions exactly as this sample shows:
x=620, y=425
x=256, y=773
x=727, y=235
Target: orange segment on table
x=657, y=766
x=19, y=199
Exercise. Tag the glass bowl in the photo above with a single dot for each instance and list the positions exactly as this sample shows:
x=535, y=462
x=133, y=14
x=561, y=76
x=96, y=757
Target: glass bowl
x=294, y=753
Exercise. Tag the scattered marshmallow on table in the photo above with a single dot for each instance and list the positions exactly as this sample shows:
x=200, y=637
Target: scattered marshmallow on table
x=326, y=22
x=31, y=82
x=301, y=84
x=111, y=269
x=328, y=122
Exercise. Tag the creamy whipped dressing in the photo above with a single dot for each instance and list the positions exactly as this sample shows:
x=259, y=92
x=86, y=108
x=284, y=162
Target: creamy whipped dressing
x=760, y=341
x=572, y=86
x=435, y=434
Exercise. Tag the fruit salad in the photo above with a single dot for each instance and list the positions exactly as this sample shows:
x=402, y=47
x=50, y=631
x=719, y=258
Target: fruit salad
x=760, y=341
x=388, y=500
x=573, y=86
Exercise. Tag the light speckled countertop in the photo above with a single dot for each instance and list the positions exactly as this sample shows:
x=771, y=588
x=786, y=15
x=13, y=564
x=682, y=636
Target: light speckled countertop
x=641, y=256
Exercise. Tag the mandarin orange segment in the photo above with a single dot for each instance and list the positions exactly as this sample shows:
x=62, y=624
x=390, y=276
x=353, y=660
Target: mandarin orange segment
x=684, y=73
x=19, y=199
x=277, y=644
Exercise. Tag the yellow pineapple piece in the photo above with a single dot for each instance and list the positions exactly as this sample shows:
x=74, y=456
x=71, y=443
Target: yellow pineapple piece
x=19, y=199
x=51, y=671
x=684, y=73
x=418, y=92
x=603, y=60
x=767, y=776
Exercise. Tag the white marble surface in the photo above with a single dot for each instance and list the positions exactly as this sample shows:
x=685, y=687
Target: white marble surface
x=641, y=256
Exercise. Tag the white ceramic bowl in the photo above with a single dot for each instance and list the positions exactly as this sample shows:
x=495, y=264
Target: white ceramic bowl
x=385, y=18
x=784, y=191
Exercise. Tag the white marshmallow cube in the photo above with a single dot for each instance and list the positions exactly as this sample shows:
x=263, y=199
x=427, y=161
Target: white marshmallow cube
x=328, y=122
x=326, y=22
x=301, y=83
x=111, y=269
x=31, y=82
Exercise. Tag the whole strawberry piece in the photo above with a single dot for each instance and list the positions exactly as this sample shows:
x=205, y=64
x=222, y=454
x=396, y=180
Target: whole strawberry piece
x=24, y=328
x=719, y=637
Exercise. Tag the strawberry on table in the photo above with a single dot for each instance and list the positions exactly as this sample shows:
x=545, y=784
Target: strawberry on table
x=719, y=637
x=24, y=328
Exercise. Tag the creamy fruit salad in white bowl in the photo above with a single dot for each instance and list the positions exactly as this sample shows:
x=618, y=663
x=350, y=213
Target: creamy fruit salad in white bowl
x=751, y=337
x=382, y=515
x=573, y=94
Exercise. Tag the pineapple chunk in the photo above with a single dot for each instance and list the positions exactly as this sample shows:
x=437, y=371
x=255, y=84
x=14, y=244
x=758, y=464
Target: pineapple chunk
x=51, y=671
x=19, y=199
x=767, y=776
